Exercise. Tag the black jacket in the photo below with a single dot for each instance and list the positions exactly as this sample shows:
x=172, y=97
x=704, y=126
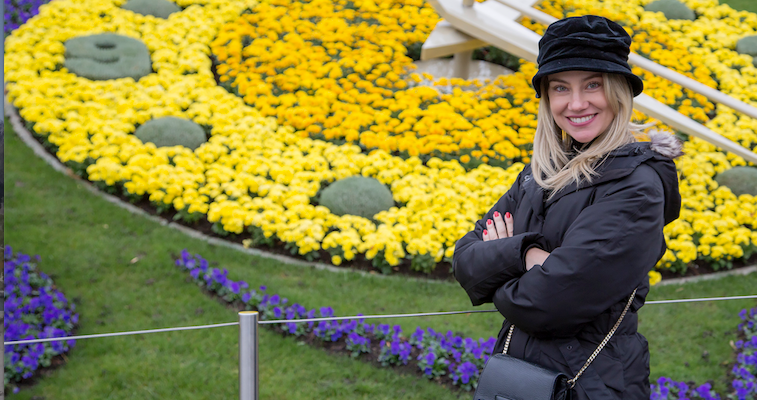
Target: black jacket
x=604, y=237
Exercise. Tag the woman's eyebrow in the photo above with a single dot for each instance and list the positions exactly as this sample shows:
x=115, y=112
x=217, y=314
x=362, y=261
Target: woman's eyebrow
x=597, y=75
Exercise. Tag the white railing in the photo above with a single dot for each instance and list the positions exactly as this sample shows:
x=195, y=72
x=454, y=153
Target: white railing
x=249, y=321
x=494, y=22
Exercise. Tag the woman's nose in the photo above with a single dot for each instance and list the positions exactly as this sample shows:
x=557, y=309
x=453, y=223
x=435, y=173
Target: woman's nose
x=577, y=101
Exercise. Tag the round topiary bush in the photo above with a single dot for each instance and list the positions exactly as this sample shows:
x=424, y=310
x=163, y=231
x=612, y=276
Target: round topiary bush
x=741, y=180
x=171, y=131
x=673, y=9
x=748, y=45
x=107, y=56
x=357, y=195
x=156, y=8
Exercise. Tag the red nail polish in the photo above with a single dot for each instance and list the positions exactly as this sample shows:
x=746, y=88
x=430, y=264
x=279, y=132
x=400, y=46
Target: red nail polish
x=485, y=232
x=496, y=214
x=488, y=222
x=507, y=215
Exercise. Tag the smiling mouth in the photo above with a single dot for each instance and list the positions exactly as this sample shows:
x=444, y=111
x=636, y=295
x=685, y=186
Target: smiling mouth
x=582, y=120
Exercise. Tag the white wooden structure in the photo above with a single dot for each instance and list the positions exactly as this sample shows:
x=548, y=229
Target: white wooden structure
x=468, y=24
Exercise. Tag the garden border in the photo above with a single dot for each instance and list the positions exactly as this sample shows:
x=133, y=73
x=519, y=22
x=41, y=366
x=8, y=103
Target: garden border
x=15, y=119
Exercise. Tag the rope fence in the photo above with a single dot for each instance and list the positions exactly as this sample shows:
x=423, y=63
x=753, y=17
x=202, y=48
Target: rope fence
x=355, y=317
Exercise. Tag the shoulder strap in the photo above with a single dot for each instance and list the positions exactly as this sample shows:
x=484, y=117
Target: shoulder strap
x=594, y=355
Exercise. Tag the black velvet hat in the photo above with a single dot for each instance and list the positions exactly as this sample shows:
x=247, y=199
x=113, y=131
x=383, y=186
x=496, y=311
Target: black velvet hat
x=587, y=43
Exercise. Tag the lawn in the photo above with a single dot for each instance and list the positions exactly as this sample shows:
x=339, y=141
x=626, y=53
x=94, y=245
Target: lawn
x=87, y=245
x=746, y=5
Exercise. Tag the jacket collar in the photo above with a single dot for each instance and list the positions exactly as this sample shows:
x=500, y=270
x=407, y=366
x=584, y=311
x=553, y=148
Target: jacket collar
x=618, y=164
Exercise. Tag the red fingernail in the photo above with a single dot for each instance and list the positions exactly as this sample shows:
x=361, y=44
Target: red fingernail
x=488, y=222
x=496, y=214
x=485, y=232
x=507, y=215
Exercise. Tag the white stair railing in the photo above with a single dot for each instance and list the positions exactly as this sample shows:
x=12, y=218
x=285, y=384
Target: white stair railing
x=493, y=22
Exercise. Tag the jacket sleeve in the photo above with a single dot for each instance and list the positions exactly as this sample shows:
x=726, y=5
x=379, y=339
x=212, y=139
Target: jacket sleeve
x=482, y=267
x=605, y=253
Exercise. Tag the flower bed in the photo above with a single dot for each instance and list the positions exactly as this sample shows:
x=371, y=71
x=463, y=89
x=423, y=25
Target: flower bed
x=446, y=158
x=745, y=369
x=445, y=358
x=17, y=12
x=33, y=309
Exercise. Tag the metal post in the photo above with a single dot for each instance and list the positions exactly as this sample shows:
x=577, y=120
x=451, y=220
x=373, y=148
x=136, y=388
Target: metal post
x=248, y=355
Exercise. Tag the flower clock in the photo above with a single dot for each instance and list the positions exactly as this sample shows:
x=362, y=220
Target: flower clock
x=302, y=124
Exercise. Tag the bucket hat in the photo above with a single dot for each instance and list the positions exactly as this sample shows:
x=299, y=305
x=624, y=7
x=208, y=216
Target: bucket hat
x=586, y=43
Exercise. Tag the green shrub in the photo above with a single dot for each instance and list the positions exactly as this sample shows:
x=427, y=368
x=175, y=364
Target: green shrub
x=497, y=56
x=748, y=45
x=156, y=8
x=107, y=56
x=673, y=9
x=741, y=180
x=357, y=195
x=171, y=131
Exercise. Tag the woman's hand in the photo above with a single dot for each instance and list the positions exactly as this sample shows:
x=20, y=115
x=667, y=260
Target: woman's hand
x=499, y=228
x=535, y=256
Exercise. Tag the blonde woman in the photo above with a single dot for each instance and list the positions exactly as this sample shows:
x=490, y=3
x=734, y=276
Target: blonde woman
x=580, y=229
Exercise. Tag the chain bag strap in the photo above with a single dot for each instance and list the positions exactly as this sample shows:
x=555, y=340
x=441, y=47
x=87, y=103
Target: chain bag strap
x=572, y=382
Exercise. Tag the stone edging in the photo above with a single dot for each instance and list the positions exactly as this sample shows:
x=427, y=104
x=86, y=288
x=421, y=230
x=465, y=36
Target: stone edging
x=26, y=136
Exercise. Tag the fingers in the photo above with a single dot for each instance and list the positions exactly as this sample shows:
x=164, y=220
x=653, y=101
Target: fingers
x=499, y=225
x=509, y=224
x=498, y=228
x=490, y=233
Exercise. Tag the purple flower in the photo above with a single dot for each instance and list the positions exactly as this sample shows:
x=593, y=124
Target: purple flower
x=33, y=308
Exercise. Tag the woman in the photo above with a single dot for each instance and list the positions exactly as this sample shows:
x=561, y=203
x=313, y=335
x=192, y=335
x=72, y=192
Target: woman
x=580, y=229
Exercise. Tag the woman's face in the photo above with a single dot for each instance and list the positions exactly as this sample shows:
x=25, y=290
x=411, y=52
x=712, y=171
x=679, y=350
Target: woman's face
x=578, y=103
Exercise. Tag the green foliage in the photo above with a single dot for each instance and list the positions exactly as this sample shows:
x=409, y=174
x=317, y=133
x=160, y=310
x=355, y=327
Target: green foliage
x=741, y=180
x=423, y=263
x=357, y=195
x=171, y=131
x=497, y=56
x=414, y=50
x=107, y=56
x=258, y=237
x=188, y=217
x=673, y=9
x=747, y=45
x=156, y=8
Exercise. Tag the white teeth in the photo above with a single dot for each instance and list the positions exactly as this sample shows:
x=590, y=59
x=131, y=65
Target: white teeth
x=581, y=120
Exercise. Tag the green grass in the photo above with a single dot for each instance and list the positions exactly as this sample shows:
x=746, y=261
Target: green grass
x=86, y=245
x=746, y=5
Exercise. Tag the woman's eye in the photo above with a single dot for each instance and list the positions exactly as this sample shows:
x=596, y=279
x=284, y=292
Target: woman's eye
x=559, y=88
x=594, y=85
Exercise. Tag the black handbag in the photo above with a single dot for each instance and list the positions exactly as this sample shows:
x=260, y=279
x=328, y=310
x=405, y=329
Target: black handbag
x=508, y=378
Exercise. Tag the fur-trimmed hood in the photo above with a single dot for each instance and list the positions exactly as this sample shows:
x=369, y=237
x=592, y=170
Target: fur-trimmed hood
x=666, y=144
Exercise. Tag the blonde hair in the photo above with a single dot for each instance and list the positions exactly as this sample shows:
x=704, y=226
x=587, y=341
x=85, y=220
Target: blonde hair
x=552, y=168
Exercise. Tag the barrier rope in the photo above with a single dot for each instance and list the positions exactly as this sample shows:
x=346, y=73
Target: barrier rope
x=356, y=317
